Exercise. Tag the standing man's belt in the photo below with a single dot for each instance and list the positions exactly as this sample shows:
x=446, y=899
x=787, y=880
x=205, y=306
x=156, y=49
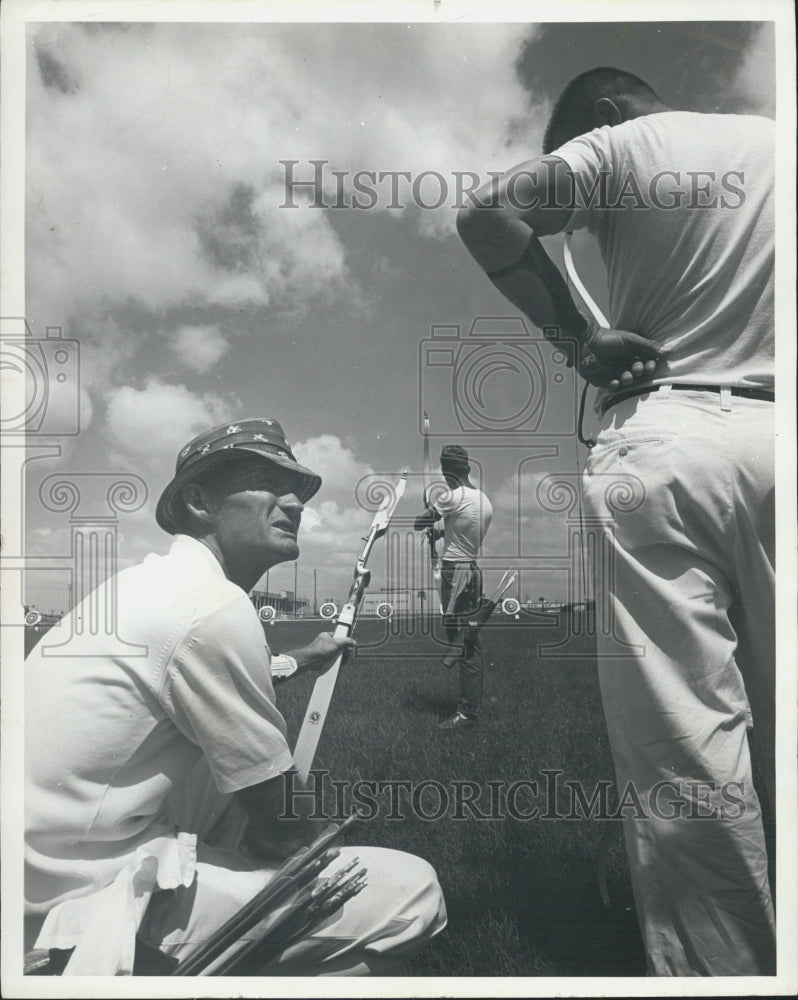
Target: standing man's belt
x=735, y=390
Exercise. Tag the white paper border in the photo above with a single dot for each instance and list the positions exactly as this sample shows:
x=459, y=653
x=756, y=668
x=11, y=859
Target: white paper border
x=15, y=15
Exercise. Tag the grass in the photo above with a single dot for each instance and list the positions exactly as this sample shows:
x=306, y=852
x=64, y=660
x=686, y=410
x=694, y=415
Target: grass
x=522, y=894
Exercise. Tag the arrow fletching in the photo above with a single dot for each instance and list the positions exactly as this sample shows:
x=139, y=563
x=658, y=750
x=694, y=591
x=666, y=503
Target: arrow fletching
x=477, y=620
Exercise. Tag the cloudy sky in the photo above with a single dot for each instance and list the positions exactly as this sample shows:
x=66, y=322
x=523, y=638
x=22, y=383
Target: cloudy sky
x=163, y=235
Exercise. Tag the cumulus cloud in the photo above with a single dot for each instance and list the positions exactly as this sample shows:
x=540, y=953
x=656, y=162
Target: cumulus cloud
x=333, y=522
x=523, y=522
x=146, y=427
x=336, y=519
x=337, y=464
x=154, y=191
x=152, y=180
x=199, y=347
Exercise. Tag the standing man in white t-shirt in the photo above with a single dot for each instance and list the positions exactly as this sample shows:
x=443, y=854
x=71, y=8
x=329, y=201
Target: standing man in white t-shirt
x=466, y=513
x=682, y=206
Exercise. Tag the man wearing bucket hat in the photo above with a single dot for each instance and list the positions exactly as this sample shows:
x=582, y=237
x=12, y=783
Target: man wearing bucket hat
x=162, y=763
x=467, y=514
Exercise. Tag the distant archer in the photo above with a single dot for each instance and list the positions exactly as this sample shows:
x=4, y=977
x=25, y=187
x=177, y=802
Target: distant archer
x=466, y=514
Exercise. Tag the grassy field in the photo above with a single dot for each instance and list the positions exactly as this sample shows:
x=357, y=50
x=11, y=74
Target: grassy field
x=523, y=894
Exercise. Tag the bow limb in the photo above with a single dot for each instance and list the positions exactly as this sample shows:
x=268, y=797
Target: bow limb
x=321, y=696
x=430, y=533
x=577, y=287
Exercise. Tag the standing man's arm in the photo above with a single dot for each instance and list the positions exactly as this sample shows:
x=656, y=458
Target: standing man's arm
x=501, y=230
x=426, y=520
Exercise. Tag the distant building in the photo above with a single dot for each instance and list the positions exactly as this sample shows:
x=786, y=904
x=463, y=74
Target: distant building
x=544, y=607
x=555, y=607
x=401, y=602
x=284, y=602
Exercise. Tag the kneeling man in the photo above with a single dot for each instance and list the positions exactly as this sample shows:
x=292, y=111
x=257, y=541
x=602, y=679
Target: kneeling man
x=155, y=779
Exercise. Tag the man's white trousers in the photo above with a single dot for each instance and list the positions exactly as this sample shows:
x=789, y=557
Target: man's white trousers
x=680, y=488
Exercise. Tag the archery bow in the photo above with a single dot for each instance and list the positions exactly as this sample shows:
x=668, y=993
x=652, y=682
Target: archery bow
x=319, y=703
x=586, y=304
x=429, y=534
x=577, y=285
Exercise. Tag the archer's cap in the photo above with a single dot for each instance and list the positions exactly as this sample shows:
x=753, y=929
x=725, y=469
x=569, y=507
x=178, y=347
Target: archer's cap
x=257, y=436
x=454, y=456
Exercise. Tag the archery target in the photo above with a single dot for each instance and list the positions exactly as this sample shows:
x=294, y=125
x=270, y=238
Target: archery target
x=267, y=614
x=328, y=610
x=510, y=606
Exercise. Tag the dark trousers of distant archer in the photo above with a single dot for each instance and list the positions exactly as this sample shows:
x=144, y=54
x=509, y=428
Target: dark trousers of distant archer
x=461, y=596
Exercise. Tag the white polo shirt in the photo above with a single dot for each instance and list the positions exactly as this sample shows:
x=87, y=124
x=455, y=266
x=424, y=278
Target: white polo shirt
x=108, y=737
